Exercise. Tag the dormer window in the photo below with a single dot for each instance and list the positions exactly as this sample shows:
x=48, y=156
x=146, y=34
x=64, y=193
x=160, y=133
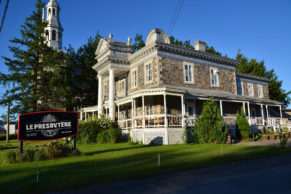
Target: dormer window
x=214, y=77
x=47, y=34
x=54, y=12
x=49, y=11
x=260, y=91
x=251, y=89
x=188, y=73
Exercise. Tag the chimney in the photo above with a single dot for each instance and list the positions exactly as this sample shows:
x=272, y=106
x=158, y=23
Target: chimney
x=200, y=45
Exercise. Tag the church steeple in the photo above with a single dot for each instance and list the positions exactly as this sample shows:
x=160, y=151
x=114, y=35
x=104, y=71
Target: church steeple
x=54, y=28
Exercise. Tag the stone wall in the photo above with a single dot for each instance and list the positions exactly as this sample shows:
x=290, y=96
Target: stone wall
x=172, y=73
x=256, y=92
x=141, y=75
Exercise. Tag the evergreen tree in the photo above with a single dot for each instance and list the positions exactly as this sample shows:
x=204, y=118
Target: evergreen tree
x=32, y=68
x=243, y=127
x=83, y=83
x=138, y=42
x=210, y=127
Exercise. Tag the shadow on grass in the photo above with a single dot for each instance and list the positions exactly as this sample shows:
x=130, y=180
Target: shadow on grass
x=120, y=166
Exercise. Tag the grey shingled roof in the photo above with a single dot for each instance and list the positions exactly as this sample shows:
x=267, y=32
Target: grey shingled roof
x=252, y=77
x=220, y=94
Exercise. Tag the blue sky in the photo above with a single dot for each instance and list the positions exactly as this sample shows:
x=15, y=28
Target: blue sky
x=261, y=28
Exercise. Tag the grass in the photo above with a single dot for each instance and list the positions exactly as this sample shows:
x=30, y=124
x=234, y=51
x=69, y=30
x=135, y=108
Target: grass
x=106, y=163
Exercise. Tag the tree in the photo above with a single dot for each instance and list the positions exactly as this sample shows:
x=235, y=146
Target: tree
x=258, y=68
x=33, y=74
x=138, y=42
x=210, y=127
x=243, y=127
x=82, y=82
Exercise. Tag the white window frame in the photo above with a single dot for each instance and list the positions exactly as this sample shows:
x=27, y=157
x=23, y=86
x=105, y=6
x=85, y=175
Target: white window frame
x=134, y=82
x=262, y=93
x=188, y=73
x=217, y=74
x=148, y=75
x=252, y=89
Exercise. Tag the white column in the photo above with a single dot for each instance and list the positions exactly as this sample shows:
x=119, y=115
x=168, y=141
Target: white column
x=132, y=109
x=183, y=110
x=267, y=111
x=221, y=110
x=143, y=119
x=165, y=111
x=249, y=112
x=111, y=95
x=263, y=115
x=81, y=115
x=244, y=107
x=118, y=113
x=100, y=96
x=280, y=111
x=85, y=116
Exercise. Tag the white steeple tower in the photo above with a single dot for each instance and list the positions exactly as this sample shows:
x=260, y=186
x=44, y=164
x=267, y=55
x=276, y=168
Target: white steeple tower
x=54, y=28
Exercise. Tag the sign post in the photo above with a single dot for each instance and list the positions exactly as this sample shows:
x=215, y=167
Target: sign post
x=47, y=126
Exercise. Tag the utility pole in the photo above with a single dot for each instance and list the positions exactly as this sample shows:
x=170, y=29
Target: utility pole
x=8, y=122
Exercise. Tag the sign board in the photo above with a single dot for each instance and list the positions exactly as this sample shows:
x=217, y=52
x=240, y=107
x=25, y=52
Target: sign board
x=48, y=125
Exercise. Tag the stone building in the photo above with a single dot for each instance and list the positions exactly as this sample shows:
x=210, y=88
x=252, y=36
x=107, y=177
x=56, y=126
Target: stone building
x=157, y=91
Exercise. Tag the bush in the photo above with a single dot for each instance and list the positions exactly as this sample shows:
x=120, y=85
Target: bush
x=11, y=156
x=283, y=142
x=243, y=126
x=26, y=156
x=88, y=130
x=11, y=137
x=40, y=155
x=112, y=135
x=57, y=149
x=210, y=127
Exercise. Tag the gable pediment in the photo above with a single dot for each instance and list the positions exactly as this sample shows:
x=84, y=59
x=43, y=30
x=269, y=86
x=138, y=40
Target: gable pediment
x=102, y=46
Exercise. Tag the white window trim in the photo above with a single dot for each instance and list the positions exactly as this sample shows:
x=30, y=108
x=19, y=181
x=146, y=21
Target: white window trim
x=218, y=82
x=250, y=84
x=260, y=86
x=192, y=72
x=131, y=84
x=145, y=72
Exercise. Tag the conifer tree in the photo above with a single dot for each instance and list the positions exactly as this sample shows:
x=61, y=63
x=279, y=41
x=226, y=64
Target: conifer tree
x=33, y=71
x=210, y=127
x=243, y=127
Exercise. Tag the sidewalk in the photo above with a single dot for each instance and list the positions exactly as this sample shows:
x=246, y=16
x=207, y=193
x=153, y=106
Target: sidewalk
x=275, y=143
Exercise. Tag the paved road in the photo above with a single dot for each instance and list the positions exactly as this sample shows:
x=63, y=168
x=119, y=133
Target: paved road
x=269, y=175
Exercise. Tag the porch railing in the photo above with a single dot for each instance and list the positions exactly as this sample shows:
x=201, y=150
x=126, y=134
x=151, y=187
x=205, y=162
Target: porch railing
x=174, y=120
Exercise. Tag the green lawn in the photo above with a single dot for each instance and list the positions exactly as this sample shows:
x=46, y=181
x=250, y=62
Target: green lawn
x=105, y=163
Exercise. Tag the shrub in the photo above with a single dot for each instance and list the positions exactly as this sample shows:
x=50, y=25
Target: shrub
x=57, y=149
x=40, y=155
x=283, y=142
x=88, y=130
x=11, y=156
x=112, y=135
x=11, y=137
x=26, y=156
x=210, y=127
x=243, y=126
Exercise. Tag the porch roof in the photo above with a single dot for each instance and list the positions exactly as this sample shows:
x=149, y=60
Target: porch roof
x=203, y=93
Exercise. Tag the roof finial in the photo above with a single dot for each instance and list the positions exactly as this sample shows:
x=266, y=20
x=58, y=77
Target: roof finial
x=110, y=37
x=129, y=41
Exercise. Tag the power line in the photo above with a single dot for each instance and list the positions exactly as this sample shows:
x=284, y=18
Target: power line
x=175, y=17
x=4, y=15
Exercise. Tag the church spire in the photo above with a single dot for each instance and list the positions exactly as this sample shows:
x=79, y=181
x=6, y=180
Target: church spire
x=54, y=28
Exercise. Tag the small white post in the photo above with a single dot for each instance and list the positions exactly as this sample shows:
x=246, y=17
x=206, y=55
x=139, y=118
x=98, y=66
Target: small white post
x=221, y=110
x=143, y=119
x=263, y=115
x=165, y=110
